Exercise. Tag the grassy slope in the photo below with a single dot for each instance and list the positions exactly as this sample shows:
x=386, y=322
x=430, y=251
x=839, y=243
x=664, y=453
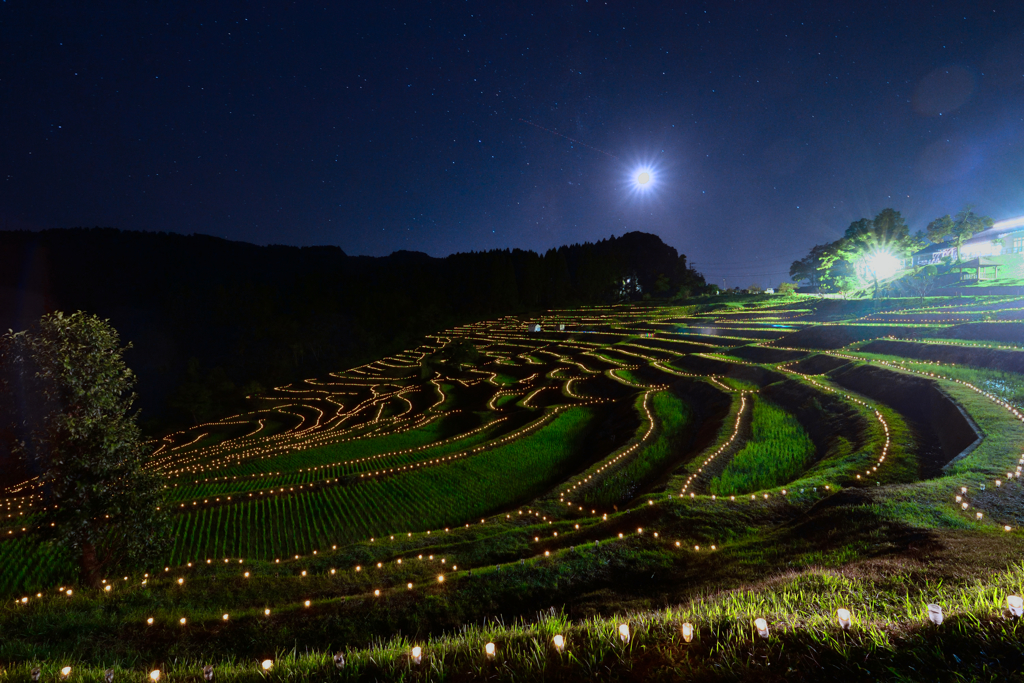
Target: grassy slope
x=428, y=498
x=672, y=416
x=779, y=451
x=898, y=547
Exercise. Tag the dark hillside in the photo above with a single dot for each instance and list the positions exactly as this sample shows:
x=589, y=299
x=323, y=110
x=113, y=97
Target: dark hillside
x=212, y=321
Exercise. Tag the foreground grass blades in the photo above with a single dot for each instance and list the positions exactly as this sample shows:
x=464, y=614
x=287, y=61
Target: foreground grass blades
x=889, y=636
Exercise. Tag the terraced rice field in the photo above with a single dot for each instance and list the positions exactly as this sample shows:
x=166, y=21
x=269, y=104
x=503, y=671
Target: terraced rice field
x=601, y=412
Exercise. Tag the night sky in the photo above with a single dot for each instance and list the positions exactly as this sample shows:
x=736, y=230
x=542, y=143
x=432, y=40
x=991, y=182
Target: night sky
x=768, y=126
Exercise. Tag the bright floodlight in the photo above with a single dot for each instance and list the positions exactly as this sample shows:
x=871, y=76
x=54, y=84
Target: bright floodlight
x=882, y=264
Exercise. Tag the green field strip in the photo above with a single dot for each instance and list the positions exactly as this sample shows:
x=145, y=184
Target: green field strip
x=778, y=451
x=422, y=499
x=671, y=416
x=339, y=459
x=574, y=490
x=900, y=464
x=728, y=438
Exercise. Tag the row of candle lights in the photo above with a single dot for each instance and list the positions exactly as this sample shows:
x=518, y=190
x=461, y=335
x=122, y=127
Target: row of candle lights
x=877, y=414
x=964, y=505
x=844, y=618
x=707, y=461
x=610, y=462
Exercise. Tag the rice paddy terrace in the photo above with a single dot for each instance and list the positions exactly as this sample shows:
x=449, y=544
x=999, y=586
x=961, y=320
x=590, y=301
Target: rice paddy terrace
x=611, y=459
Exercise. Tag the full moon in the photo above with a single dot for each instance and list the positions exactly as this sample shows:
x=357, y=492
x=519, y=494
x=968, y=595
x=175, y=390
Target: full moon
x=642, y=180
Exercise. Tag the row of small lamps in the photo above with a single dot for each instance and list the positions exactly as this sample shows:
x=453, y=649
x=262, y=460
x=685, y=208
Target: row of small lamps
x=1015, y=605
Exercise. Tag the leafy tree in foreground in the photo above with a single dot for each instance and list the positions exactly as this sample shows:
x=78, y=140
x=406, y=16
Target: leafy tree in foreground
x=65, y=401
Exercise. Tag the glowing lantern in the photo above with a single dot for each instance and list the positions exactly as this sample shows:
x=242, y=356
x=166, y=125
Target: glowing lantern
x=489, y=650
x=339, y=659
x=65, y=672
x=1016, y=604
x=266, y=612
x=149, y=621
x=559, y=642
x=267, y=664
x=417, y=655
x=107, y=588
x=935, y=614
x=624, y=633
x=183, y=621
x=440, y=578
x=154, y=675
x=762, y=627
x=687, y=632
x=225, y=617
x=181, y=582
x=246, y=575
x=844, y=617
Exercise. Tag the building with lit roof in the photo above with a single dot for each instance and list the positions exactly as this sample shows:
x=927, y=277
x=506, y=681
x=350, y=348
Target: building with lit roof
x=1005, y=238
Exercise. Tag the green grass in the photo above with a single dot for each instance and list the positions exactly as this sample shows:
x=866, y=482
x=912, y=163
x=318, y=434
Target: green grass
x=890, y=636
x=1009, y=386
x=778, y=452
x=673, y=417
x=339, y=460
x=429, y=498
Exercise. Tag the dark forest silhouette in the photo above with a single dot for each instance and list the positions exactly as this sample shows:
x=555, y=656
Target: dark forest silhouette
x=212, y=320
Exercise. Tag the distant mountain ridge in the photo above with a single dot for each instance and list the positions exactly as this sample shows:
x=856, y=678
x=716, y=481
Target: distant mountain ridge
x=211, y=320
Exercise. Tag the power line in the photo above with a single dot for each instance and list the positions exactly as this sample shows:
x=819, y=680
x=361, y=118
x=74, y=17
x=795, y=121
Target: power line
x=756, y=260
x=747, y=274
x=700, y=267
